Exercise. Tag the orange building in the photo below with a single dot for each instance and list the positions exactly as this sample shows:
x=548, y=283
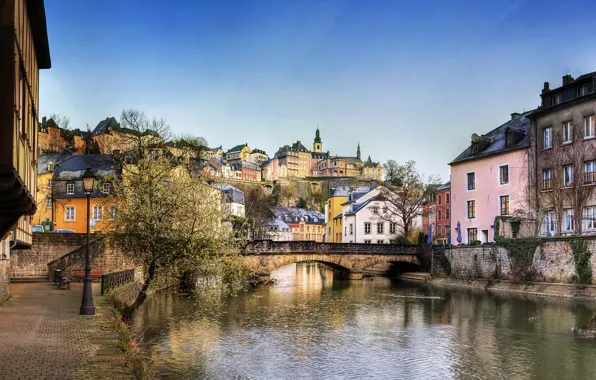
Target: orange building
x=69, y=199
x=51, y=137
x=306, y=224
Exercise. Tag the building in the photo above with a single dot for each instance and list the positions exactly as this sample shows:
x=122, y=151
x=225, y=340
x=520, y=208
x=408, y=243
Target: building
x=277, y=230
x=442, y=229
x=372, y=170
x=317, y=153
x=333, y=213
x=217, y=153
x=258, y=156
x=24, y=50
x=218, y=168
x=564, y=153
x=306, y=224
x=246, y=171
x=297, y=159
x=274, y=170
x=51, y=138
x=429, y=212
x=234, y=200
x=490, y=179
x=238, y=153
x=45, y=173
x=69, y=198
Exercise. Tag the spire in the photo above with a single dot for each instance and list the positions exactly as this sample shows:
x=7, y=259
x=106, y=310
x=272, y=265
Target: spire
x=318, y=136
x=358, y=151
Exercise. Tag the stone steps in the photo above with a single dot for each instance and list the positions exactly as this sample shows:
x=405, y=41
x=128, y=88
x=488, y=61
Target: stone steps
x=28, y=279
x=415, y=276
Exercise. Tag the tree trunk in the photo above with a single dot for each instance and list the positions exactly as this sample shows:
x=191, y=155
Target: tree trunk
x=128, y=311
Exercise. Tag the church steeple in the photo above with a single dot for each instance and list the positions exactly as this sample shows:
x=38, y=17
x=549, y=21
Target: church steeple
x=317, y=146
x=358, y=151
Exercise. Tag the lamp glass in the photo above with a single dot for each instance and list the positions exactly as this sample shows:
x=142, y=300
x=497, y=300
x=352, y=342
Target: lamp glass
x=88, y=180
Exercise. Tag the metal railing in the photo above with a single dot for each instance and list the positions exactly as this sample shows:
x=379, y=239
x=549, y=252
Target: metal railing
x=115, y=279
x=547, y=184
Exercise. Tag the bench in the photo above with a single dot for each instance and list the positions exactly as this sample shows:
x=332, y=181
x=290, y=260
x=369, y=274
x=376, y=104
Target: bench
x=95, y=275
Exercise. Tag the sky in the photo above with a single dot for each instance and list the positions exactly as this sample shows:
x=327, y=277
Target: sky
x=408, y=80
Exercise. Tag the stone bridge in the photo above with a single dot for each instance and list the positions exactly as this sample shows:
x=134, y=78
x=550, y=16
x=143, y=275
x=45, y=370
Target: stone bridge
x=264, y=256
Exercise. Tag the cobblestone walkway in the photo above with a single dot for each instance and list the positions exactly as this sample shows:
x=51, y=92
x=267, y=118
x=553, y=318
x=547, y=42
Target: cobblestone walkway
x=43, y=337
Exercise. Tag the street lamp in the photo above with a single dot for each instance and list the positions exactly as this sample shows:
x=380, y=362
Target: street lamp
x=87, y=306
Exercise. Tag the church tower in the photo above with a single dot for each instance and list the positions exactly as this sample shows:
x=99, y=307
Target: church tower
x=358, y=151
x=317, y=146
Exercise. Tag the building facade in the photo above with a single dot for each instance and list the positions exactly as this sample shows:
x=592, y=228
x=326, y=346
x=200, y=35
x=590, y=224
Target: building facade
x=305, y=224
x=564, y=132
x=442, y=202
x=45, y=173
x=333, y=214
x=490, y=179
x=246, y=171
x=238, y=153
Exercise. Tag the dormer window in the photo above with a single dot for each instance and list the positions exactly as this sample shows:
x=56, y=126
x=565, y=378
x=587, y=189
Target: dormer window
x=557, y=99
x=509, y=137
x=475, y=147
x=582, y=90
x=50, y=166
x=70, y=188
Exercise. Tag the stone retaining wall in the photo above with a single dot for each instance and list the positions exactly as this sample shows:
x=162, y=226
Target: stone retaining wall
x=4, y=280
x=553, y=261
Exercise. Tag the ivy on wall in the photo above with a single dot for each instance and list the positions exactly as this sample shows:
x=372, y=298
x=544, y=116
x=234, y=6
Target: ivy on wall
x=581, y=258
x=521, y=256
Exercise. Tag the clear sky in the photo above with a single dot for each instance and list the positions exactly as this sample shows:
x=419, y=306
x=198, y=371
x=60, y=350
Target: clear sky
x=406, y=79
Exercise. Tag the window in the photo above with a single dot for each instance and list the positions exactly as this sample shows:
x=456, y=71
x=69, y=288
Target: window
x=472, y=234
x=69, y=214
x=589, y=169
x=504, y=204
x=385, y=210
x=49, y=183
x=447, y=212
x=547, y=179
x=97, y=212
x=345, y=231
x=503, y=175
x=589, y=126
x=471, y=209
x=548, y=137
x=568, y=176
x=439, y=230
x=567, y=132
x=50, y=166
x=447, y=198
x=21, y=101
x=367, y=242
x=568, y=220
x=375, y=209
x=471, y=181
x=106, y=187
x=440, y=214
x=509, y=137
x=589, y=218
x=582, y=90
x=549, y=223
x=70, y=188
x=447, y=229
x=439, y=199
x=393, y=228
x=379, y=241
x=48, y=202
x=367, y=228
x=379, y=228
x=557, y=99
x=351, y=229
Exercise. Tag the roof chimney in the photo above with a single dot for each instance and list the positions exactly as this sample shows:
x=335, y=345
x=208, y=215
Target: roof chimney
x=515, y=115
x=567, y=79
x=44, y=120
x=546, y=88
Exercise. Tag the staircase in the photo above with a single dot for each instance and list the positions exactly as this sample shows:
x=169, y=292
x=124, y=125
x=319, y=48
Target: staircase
x=28, y=279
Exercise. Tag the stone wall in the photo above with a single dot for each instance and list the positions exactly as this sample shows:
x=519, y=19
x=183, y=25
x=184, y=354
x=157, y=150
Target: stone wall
x=4, y=280
x=46, y=247
x=553, y=261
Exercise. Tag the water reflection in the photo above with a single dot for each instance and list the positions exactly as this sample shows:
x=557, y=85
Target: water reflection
x=313, y=325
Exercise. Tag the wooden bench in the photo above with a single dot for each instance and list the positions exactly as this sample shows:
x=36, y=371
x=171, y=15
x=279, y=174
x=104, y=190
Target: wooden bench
x=95, y=275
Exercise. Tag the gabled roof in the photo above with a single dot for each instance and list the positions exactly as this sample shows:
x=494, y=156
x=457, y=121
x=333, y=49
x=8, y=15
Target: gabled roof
x=496, y=138
x=72, y=168
x=237, y=148
x=102, y=126
x=295, y=215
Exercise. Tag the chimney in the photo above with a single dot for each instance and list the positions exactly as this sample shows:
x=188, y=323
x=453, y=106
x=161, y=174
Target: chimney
x=373, y=184
x=515, y=115
x=546, y=88
x=43, y=120
x=567, y=79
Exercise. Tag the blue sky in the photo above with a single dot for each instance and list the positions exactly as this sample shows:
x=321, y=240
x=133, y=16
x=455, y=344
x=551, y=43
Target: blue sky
x=406, y=79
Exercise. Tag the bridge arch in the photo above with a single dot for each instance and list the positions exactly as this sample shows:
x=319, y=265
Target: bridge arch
x=269, y=263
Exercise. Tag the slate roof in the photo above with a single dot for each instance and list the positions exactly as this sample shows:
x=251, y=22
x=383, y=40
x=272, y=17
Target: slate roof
x=44, y=159
x=237, y=148
x=102, y=126
x=444, y=186
x=519, y=124
x=278, y=224
x=231, y=194
x=351, y=160
x=295, y=215
x=238, y=165
x=72, y=168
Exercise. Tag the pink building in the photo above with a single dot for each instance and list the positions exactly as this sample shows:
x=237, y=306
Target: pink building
x=490, y=178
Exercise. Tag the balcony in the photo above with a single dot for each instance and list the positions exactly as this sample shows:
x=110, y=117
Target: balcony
x=547, y=184
x=590, y=178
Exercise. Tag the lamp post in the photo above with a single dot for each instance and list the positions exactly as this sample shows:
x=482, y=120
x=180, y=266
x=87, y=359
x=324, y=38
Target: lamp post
x=87, y=306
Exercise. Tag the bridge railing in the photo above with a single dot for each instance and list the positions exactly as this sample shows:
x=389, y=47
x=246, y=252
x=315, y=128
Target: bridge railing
x=112, y=280
x=260, y=247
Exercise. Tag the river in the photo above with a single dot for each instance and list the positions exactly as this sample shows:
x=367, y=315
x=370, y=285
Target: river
x=312, y=326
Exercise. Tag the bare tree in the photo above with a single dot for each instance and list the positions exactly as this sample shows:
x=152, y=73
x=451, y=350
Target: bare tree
x=61, y=121
x=141, y=135
x=405, y=204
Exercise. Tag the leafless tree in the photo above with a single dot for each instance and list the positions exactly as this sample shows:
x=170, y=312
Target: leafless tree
x=142, y=135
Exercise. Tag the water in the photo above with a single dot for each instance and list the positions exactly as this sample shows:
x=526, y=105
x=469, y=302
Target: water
x=310, y=326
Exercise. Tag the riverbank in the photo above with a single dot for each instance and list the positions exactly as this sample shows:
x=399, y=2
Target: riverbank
x=43, y=335
x=542, y=289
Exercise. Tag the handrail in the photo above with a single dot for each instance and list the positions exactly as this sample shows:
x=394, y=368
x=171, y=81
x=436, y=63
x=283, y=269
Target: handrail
x=114, y=279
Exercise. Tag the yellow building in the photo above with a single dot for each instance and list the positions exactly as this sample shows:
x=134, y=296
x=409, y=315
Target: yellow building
x=333, y=211
x=45, y=172
x=238, y=153
x=24, y=50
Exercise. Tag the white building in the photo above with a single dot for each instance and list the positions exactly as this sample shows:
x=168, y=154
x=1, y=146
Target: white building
x=368, y=219
x=234, y=199
x=277, y=230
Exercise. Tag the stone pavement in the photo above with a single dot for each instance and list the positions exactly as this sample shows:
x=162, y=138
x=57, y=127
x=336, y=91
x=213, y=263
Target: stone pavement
x=43, y=337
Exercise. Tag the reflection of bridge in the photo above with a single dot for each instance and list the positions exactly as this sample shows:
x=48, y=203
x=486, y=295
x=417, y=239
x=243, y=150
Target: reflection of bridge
x=264, y=256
